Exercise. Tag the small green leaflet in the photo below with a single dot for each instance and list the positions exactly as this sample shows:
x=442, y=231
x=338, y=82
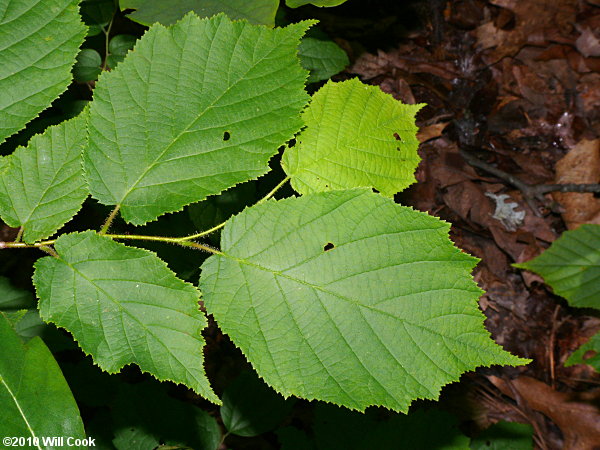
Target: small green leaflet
x=193, y=110
x=355, y=136
x=123, y=305
x=581, y=355
x=572, y=266
x=260, y=12
x=43, y=185
x=38, y=45
x=346, y=297
x=322, y=58
x=35, y=398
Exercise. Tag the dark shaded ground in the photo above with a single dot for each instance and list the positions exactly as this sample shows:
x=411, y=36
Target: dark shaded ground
x=514, y=84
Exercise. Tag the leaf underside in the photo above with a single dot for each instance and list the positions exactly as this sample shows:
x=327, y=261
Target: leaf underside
x=43, y=185
x=123, y=305
x=39, y=42
x=572, y=266
x=346, y=297
x=260, y=12
x=35, y=398
x=193, y=110
x=355, y=136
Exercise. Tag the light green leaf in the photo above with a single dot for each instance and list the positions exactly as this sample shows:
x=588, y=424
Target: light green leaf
x=88, y=65
x=38, y=45
x=572, y=266
x=581, y=356
x=123, y=305
x=347, y=297
x=260, y=12
x=250, y=407
x=355, y=136
x=322, y=59
x=43, y=186
x=422, y=429
x=193, y=110
x=35, y=398
x=145, y=416
x=12, y=297
x=505, y=436
x=297, y=3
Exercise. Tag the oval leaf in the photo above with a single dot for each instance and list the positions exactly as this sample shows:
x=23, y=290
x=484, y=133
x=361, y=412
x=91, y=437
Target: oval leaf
x=39, y=42
x=193, y=110
x=322, y=58
x=43, y=185
x=355, y=136
x=32, y=390
x=347, y=297
x=123, y=305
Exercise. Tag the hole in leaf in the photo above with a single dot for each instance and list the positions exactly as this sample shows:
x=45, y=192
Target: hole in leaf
x=291, y=142
x=375, y=190
x=226, y=136
x=397, y=136
x=398, y=148
x=328, y=247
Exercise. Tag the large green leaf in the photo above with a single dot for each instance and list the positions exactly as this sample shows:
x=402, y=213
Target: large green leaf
x=588, y=353
x=261, y=12
x=193, y=110
x=35, y=400
x=39, y=40
x=43, y=185
x=347, y=297
x=355, y=136
x=322, y=58
x=123, y=305
x=572, y=266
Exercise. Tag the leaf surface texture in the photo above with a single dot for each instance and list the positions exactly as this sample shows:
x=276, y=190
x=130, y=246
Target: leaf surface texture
x=193, y=110
x=347, y=297
x=43, y=185
x=38, y=45
x=123, y=305
x=355, y=136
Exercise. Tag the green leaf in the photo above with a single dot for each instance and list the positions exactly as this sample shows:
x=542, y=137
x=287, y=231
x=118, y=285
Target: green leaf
x=347, y=297
x=505, y=436
x=581, y=356
x=39, y=42
x=32, y=390
x=250, y=407
x=145, y=416
x=123, y=305
x=297, y=3
x=88, y=65
x=43, y=186
x=118, y=48
x=260, y=12
x=572, y=266
x=422, y=429
x=157, y=145
x=322, y=59
x=350, y=141
x=12, y=297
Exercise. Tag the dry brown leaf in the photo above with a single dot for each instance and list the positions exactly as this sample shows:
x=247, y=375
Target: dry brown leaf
x=575, y=414
x=431, y=131
x=580, y=165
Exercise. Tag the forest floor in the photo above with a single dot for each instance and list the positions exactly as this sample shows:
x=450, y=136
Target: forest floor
x=512, y=89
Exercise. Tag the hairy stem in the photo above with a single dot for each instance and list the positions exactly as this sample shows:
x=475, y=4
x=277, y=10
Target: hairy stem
x=109, y=220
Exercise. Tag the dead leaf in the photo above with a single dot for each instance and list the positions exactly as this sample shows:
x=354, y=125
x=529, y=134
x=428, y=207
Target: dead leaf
x=580, y=165
x=431, y=131
x=574, y=413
